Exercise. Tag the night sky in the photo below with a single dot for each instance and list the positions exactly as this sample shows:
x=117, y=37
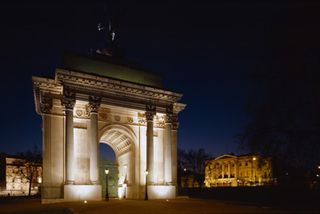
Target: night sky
x=206, y=51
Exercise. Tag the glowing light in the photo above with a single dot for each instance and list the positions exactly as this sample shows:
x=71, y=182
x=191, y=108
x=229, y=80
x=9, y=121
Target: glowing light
x=39, y=180
x=82, y=192
x=254, y=158
x=161, y=192
x=318, y=175
x=146, y=172
x=319, y=167
x=121, y=192
x=85, y=202
x=185, y=169
x=106, y=171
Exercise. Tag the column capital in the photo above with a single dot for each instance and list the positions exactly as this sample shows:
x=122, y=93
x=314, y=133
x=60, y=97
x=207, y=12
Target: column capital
x=94, y=104
x=45, y=103
x=175, y=122
x=68, y=103
x=169, y=114
x=150, y=112
x=68, y=99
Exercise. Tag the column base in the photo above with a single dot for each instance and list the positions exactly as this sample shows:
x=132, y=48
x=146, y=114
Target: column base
x=82, y=192
x=69, y=182
x=161, y=192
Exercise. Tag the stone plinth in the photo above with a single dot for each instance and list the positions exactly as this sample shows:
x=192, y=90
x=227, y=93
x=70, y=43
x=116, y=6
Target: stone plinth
x=82, y=192
x=161, y=192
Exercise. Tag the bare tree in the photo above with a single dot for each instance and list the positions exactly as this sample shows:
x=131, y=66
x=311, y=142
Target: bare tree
x=30, y=162
x=192, y=162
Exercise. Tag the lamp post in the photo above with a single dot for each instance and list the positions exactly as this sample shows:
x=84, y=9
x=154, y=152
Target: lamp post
x=146, y=191
x=253, y=177
x=107, y=178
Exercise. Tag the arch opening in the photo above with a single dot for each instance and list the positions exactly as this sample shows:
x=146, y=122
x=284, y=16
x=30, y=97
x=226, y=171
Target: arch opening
x=121, y=142
x=108, y=161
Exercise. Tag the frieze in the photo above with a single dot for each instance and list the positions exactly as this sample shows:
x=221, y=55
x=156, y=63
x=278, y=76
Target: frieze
x=81, y=113
x=127, y=88
x=141, y=119
x=103, y=116
x=129, y=119
x=160, y=121
x=117, y=118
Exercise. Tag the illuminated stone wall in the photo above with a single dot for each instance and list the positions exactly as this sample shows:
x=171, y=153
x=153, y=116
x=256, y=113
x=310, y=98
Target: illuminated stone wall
x=17, y=177
x=246, y=170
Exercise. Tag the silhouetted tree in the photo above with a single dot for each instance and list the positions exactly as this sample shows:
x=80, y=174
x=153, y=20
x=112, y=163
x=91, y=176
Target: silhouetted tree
x=30, y=160
x=285, y=102
x=192, y=162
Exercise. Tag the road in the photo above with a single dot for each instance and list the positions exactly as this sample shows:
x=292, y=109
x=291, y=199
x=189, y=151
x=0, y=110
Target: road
x=183, y=206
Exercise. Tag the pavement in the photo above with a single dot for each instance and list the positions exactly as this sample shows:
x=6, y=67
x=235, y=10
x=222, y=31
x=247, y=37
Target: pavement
x=115, y=206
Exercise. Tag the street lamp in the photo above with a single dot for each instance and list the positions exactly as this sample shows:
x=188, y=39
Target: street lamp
x=253, y=177
x=146, y=191
x=107, y=178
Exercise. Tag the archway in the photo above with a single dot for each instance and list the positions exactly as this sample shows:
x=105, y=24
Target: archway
x=121, y=139
x=108, y=161
x=135, y=116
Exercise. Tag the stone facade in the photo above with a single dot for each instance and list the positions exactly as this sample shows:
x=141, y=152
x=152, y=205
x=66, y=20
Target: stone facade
x=15, y=176
x=245, y=170
x=81, y=109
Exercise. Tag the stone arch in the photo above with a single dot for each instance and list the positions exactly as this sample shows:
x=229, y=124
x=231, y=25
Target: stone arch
x=122, y=140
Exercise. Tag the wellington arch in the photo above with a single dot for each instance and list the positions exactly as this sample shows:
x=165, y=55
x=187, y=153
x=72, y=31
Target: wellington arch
x=96, y=99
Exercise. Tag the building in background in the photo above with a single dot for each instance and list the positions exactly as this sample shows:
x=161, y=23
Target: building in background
x=244, y=170
x=16, y=174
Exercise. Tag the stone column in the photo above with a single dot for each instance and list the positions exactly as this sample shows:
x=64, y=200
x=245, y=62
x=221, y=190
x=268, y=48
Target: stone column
x=150, y=112
x=174, y=130
x=168, y=148
x=45, y=110
x=69, y=101
x=94, y=104
x=229, y=170
x=222, y=170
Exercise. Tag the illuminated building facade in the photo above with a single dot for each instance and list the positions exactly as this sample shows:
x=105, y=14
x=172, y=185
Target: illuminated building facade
x=244, y=170
x=96, y=99
x=15, y=176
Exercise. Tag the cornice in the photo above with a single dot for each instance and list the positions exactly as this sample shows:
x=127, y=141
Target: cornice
x=107, y=85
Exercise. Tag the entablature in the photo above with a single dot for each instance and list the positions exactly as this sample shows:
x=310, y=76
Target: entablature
x=103, y=85
x=110, y=91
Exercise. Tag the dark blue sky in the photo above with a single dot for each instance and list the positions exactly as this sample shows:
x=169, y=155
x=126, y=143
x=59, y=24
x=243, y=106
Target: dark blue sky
x=207, y=51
